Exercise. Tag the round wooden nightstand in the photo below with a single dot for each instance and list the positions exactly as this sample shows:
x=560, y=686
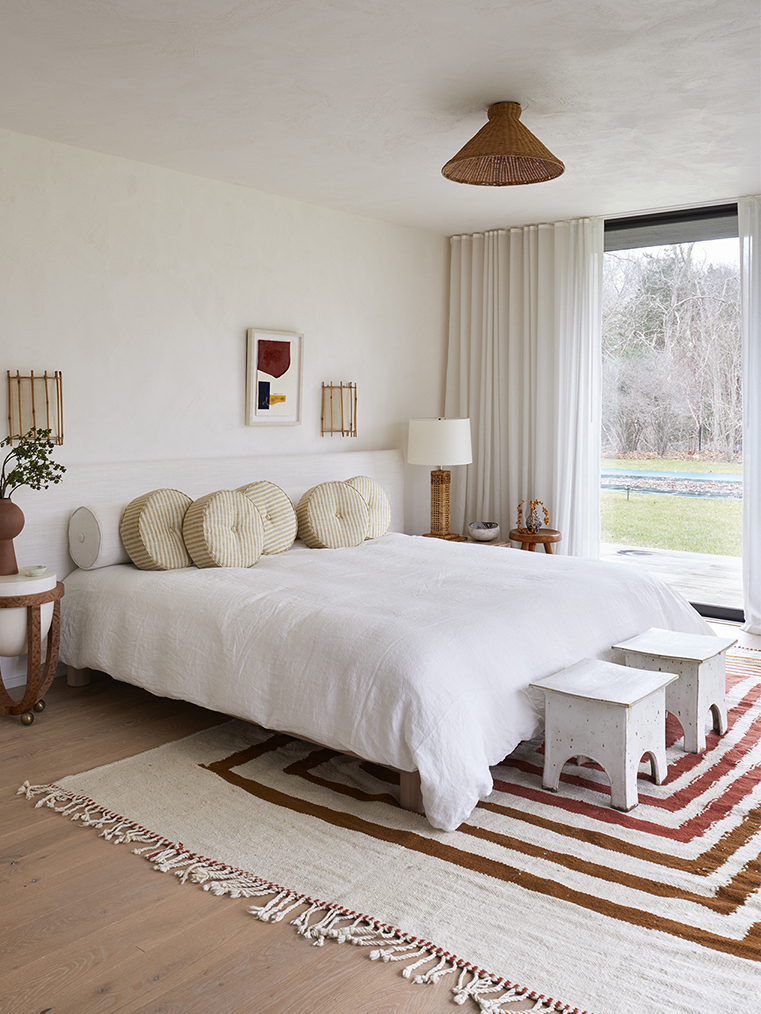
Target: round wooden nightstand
x=494, y=542
x=530, y=540
x=33, y=614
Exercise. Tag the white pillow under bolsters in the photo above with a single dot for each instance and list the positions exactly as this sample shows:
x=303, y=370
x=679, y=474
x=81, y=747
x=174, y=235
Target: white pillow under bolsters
x=94, y=539
x=332, y=516
x=278, y=515
x=223, y=529
x=377, y=503
x=151, y=530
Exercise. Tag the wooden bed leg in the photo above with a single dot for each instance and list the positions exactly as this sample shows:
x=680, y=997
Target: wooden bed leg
x=77, y=677
x=410, y=796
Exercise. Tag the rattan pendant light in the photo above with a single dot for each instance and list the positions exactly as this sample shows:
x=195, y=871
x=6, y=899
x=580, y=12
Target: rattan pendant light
x=504, y=153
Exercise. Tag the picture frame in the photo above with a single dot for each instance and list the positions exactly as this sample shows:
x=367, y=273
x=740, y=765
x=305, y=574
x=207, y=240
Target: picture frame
x=274, y=361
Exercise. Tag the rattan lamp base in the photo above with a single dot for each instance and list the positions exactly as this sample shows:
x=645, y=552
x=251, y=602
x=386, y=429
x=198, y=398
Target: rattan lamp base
x=441, y=481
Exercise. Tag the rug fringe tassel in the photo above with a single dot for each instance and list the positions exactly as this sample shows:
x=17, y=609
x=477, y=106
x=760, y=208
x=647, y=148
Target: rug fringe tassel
x=362, y=932
x=166, y=857
x=333, y=923
x=479, y=988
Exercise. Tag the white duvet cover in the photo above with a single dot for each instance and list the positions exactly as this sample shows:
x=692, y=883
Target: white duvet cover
x=414, y=653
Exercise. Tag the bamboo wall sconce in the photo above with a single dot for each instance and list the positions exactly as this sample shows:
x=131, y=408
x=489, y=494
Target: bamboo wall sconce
x=339, y=409
x=35, y=401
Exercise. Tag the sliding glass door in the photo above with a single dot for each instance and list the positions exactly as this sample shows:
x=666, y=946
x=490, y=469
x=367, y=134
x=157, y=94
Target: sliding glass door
x=671, y=473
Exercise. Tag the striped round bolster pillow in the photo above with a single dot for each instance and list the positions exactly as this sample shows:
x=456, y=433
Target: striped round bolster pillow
x=151, y=530
x=377, y=504
x=223, y=529
x=332, y=516
x=278, y=515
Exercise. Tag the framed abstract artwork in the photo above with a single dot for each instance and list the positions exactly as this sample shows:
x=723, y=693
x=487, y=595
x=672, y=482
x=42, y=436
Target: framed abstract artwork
x=273, y=377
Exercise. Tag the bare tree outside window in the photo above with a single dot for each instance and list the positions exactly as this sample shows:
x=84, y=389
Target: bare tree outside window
x=671, y=355
x=672, y=416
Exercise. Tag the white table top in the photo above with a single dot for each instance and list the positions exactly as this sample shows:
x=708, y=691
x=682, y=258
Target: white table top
x=593, y=679
x=670, y=644
x=23, y=584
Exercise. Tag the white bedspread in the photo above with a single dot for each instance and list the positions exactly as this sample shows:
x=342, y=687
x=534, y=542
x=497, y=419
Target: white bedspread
x=411, y=652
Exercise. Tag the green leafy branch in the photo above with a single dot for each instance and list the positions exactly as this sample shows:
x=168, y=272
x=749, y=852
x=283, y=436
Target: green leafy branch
x=29, y=463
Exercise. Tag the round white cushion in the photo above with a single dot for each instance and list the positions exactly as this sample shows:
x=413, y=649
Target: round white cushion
x=377, y=504
x=278, y=515
x=332, y=516
x=151, y=530
x=94, y=539
x=223, y=529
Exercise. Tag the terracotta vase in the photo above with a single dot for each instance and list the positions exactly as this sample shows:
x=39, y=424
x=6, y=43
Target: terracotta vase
x=11, y=523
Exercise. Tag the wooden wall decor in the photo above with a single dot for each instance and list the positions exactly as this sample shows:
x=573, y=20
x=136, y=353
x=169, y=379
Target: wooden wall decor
x=35, y=401
x=339, y=409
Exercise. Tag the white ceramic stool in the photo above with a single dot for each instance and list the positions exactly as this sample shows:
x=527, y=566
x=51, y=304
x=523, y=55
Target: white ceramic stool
x=611, y=713
x=699, y=660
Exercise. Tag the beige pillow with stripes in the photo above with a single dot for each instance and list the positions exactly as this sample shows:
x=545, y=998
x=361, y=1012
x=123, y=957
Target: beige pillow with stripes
x=278, y=515
x=332, y=516
x=151, y=530
x=377, y=504
x=223, y=529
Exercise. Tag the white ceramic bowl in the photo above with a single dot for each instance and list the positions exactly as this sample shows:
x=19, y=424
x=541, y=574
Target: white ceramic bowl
x=483, y=531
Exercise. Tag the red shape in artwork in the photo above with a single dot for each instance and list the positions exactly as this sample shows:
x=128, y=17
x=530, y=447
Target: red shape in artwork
x=274, y=357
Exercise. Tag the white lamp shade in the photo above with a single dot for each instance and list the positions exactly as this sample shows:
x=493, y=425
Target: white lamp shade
x=439, y=442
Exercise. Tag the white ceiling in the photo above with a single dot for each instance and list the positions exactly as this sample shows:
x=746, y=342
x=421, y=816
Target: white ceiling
x=356, y=104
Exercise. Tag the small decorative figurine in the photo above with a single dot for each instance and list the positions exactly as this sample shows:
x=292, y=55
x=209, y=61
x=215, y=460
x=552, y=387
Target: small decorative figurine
x=533, y=524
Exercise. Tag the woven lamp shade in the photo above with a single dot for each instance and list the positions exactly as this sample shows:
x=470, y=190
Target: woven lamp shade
x=504, y=153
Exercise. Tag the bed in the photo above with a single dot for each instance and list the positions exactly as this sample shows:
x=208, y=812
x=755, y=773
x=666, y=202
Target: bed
x=409, y=652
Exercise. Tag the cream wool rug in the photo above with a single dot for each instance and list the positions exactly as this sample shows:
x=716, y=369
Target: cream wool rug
x=556, y=897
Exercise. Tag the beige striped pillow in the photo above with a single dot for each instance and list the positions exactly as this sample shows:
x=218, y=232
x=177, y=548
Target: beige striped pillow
x=377, y=504
x=151, y=530
x=332, y=516
x=278, y=515
x=223, y=529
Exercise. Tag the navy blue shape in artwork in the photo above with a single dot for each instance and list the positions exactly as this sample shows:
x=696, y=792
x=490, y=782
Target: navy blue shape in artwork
x=263, y=399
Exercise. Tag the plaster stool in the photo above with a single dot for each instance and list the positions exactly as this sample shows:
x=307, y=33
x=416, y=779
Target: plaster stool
x=699, y=660
x=611, y=713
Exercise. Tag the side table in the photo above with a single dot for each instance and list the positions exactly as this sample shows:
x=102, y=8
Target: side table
x=26, y=619
x=494, y=542
x=530, y=540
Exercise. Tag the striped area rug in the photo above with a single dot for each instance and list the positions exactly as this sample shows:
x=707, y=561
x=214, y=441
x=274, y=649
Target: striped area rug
x=553, y=897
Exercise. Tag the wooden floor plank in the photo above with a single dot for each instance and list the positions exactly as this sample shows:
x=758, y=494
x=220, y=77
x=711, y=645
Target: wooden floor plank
x=63, y=921
x=233, y=976
x=92, y=972
x=83, y=869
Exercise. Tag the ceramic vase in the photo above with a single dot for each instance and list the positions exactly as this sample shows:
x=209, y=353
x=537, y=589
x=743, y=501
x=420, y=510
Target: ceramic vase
x=533, y=522
x=11, y=523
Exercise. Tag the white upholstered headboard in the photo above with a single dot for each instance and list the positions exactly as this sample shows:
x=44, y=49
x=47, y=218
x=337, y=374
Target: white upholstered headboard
x=47, y=512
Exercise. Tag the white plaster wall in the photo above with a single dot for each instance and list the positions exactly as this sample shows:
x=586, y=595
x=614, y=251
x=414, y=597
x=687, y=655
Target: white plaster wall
x=138, y=283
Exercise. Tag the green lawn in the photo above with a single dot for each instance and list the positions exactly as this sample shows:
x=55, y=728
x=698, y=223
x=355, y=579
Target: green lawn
x=691, y=524
x=671, y=465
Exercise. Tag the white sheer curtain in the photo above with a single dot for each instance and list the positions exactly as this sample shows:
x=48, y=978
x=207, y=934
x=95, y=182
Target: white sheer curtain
x=749, y=211
x=524, y=364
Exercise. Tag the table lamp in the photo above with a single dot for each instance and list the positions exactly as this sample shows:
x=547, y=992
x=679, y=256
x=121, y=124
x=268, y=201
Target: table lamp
x=439, y=442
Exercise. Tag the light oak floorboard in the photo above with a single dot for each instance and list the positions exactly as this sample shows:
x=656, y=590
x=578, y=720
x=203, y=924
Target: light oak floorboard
x=87, y=927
